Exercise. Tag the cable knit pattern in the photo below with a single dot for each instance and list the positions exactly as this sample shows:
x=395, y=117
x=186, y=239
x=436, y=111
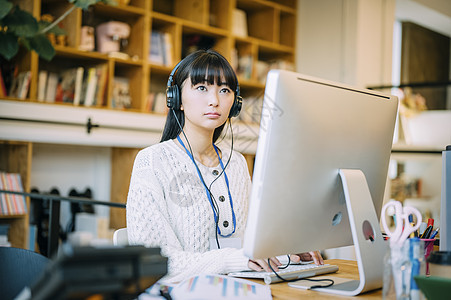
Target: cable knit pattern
x=167, y=207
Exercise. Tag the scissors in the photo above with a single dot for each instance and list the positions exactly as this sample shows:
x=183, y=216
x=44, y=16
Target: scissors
x=403, y=227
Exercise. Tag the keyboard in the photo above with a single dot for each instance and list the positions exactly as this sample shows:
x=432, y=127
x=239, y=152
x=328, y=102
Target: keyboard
x=291, y=272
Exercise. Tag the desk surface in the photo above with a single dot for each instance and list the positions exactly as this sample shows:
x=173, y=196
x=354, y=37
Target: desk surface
x=347, y=269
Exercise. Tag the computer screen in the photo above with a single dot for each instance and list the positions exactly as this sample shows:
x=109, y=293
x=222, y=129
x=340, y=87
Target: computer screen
x=310, y=130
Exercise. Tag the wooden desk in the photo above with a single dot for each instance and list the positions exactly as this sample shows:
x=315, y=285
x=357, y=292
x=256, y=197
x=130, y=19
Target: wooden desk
x=347, y=269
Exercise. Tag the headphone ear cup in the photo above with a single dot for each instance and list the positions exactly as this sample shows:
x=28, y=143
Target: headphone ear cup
x=236, y=107
x=173, y=97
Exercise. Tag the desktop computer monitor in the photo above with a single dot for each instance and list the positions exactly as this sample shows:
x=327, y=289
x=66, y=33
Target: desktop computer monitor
x=320, y=144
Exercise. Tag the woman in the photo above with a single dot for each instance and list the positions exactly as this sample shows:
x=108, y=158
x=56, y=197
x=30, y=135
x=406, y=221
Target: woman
x=187, y=195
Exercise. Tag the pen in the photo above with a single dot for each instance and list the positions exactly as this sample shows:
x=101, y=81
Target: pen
x=422, y=228
x=427, y=232
x=434, y=233
x=415, y=233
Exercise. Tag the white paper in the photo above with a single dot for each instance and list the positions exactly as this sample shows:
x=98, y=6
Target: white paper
x=219, y=287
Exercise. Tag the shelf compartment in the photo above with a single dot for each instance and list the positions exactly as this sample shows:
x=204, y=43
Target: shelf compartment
x=219, y=12
x=168, y=29
x=287, y=29
x=134, y=17
x=135, y=75
x=261, y=19
x=203, y=38
x=196, y=11
x=245, y=56
x=71, y=23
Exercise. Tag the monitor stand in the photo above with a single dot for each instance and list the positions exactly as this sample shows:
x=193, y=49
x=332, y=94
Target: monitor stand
x=362, y=219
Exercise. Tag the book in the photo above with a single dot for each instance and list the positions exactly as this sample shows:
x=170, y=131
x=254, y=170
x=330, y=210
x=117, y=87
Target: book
x=59, y=91
x=52, y=83
x=239, y=23
x=156, y=48
x=167, y=49
x=14, y=84
x=78, y=85
x=68, y=80
x=42, y=84
x=148, y=105
x=11, y=204
x=102, y=75
x=121, y=93
x=91, y=83
x=24, y=84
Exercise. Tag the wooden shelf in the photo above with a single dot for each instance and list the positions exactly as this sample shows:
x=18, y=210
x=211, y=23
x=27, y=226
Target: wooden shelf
x=15, y=157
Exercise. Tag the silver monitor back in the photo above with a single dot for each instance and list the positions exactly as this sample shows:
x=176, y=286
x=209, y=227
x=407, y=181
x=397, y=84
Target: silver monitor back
x=310, y=129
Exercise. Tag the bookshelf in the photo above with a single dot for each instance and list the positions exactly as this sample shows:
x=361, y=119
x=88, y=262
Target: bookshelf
x=188, y=24
x=16, y=158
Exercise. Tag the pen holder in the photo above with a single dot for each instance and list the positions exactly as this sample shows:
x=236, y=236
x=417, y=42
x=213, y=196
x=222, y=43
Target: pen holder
x=428, y=248
x=396, y=264
x=401, y=263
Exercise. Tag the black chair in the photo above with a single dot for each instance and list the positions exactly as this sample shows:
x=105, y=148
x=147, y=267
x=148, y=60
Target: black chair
x=18, y=269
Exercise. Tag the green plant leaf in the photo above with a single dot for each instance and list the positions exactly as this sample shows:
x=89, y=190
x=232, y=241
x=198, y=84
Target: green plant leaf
x=20, y=22
x=8, y=45
x=84, y=4
x=42, y=46
x=5, y=8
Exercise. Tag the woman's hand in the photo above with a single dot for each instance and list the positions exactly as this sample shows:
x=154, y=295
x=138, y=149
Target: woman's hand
x=262, y=264
x=308, y=256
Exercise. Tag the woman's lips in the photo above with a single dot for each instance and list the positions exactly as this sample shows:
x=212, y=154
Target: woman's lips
x=214, y=115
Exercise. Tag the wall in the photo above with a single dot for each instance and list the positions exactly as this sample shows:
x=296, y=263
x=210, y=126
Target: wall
x=348, y=41
x=66, y=167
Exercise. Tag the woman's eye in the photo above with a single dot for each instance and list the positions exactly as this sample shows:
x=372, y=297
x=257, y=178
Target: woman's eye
x=201, y=88
x=226, y=90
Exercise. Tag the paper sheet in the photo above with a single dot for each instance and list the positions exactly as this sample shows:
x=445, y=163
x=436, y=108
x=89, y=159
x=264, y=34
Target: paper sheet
x=219, y=287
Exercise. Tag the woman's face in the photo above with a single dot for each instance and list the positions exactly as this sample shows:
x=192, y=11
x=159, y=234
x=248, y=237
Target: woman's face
x=206, y=106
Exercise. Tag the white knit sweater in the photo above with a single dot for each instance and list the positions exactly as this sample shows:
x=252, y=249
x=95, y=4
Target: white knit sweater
x=167, y=207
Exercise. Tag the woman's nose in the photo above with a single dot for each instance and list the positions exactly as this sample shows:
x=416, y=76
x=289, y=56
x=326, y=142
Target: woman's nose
x=213, y=100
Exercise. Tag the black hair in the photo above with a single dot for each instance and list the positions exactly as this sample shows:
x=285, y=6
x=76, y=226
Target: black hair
x=201, y=66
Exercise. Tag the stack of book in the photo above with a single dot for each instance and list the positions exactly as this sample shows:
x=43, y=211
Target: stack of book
x=11, y=204
x=19, y=86
x=156, y=102
x=77, y=86
x=161, y=48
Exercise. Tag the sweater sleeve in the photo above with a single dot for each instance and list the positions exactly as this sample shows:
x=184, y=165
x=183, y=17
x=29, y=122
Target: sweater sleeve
x=148, y=224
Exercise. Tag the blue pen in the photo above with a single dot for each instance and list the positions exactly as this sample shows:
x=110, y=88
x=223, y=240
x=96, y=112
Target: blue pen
x=434, y=233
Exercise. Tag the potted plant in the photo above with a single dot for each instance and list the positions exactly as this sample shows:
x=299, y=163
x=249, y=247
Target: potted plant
x=18, y=27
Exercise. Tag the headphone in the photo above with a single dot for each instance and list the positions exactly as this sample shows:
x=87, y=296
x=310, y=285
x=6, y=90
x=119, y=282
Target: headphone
x=174, y=100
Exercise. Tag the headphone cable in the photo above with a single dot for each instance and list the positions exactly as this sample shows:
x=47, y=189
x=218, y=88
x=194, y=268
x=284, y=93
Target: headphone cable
x=214, y=203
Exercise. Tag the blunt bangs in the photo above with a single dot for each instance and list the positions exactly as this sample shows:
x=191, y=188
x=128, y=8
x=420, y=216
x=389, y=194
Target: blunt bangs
x=212, y=69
